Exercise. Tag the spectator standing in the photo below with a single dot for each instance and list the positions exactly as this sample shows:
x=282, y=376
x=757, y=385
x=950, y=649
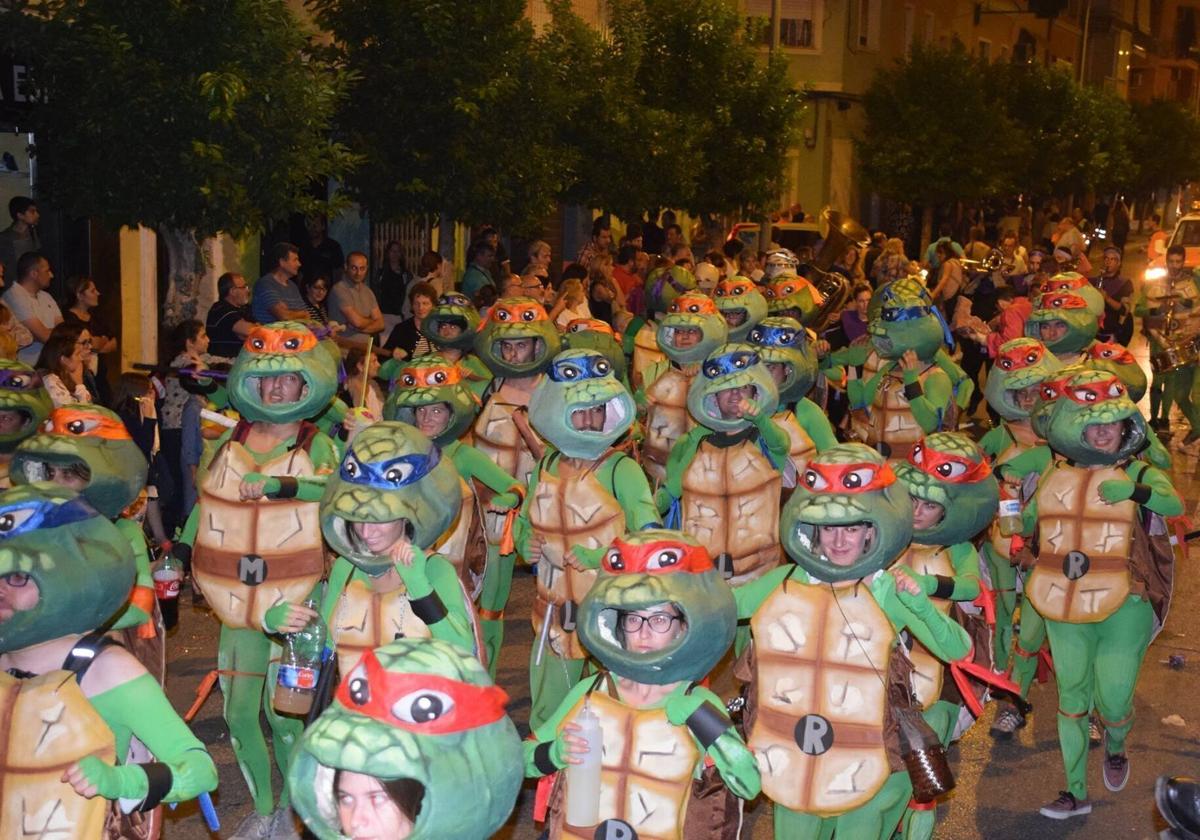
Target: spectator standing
x=229, y=320
x=362, y=369
x=674, y=237
x=502, y=265
x=393, y=281
x=538, y=266
x=431, y=270
x=748, y=265
x=681, y=255
x=1118, y=234
x=878, y=240
x=189, y=343
x=624, y=271
x=134, y=403
x=31, y=304
x=1117, y=324
x=319, y=254
x=351, y=302
x=21, y=237
x=276, y=296
x=604, y=299
x=854, y=316
x=1156, y=248
x=571, y=304
x=891, y=265
x=600, y=243
x=481, y=258
x=653, y=236
x=407, y=341
x=79, y=306
x=932, y=262
x=63, y=365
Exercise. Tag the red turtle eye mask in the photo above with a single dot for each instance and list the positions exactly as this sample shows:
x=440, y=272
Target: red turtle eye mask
x=848, y=478
x=1111, y=352
x=430, y=377
x=424, y=704
x=80, y=423
x=1021, y=357
x=943, y=466
x=267, y=340
x=1087, y=394
x=656, y=558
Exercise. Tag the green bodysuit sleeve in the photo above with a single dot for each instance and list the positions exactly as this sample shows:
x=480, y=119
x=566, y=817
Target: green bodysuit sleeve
x=778, y=444
x=995, y=441
x=815, y=423
x=944, y=637
x=430, y=574
x=1156, y=452
x=547, y=736
x=937, y=394
x=851, y=356
x=522, y=530
x=1033, y=460
x=132, y=615
x=140, y=708
x=473, y=464
x=738, y=767
x=1149, y=487
x=965, y=561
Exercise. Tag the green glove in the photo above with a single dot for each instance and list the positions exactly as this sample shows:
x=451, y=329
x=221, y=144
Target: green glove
x=125, y=782
x=737, y=765
x=275, y=616
x=505, y=501
x=1116, y=490
x=416, y=574
x=681, y=706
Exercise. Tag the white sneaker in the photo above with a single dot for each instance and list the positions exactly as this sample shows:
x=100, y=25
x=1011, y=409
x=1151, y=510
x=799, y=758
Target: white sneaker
x=254, y=826
x=283, y=825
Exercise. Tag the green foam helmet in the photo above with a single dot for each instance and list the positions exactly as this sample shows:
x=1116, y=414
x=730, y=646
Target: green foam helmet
x=594, y=334
x=390, y=472
x=428, y=380
x=784, y=342
x=1116, y=358
x=82, y=565
x=422, y=713
x=908, y=287
x=1072, y=311
x=274, y=349
x=692, y=310
x=21, y=390
x=906, y=321
x=451, y=323
x=646, y=569
x=1075, y=283
x=665, y=284
x=1020, y=363
x=951, y=470
x=517, y=318
x=741, y=304
x=579, y=380
x=731, y=366
x=847, y=484
x=1088, y=398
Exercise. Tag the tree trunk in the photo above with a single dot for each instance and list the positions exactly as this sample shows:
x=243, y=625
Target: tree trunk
x=926, y=229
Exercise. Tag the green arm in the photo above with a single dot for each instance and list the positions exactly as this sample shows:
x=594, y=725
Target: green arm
x=942, y=635
x=937, y=394
x=1157, y=453
x=739, y=769
x=861, y=392
x=1148, y=486
x=430, y=574
x=1034, y=460
x=522, y=529
x=473, y=464
x=139, y=706
x=850, y=356
x=815, y=422
x=749, y=596
x=775, y=438
x=965, y=560
x=548, y=733
x=132, y=616
x=995, y=441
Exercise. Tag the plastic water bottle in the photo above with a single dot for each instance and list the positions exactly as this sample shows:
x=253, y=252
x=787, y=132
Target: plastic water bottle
x=1009, y=514
x=300, y=666
x=583, y=780
x=168, y=575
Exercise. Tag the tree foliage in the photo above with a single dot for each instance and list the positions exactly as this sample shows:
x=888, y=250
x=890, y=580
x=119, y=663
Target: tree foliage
x=204, y=115
x=1165, y=141
x=447, y=107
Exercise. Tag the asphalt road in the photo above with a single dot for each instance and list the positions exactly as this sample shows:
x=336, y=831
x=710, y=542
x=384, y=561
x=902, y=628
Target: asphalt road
x=999, y=785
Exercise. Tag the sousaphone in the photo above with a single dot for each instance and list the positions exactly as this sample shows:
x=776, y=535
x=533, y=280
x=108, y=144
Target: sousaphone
x=840, y=234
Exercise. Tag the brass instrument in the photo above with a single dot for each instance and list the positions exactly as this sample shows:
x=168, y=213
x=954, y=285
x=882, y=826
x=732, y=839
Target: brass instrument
x=994, y=261
x=840, y=234
x=1180, y=353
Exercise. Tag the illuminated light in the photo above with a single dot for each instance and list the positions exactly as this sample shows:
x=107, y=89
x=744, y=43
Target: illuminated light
x=1155, y=273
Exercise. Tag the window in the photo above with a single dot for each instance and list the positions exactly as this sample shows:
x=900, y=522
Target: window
x=985, y=49
x=910, y=28
x=799, y=22
x=867, y=28
x=927, y=37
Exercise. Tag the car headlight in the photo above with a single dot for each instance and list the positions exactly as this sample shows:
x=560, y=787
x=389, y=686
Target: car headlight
x=1155, y=273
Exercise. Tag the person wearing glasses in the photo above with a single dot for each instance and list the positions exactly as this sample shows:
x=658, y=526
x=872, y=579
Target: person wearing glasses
x=63, y=363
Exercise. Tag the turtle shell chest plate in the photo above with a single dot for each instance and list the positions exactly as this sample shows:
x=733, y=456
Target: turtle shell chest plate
x=1084, y=546
x=928, y=670
x=366, y=618
x=497, y=437
x=1024, y=439
x=645, y=353
x=47, y=725
x=818, y=730
x=568, y=509
x=249, y=556
x=667, y=419
x=462, y=541
x=646, y=772
x=889, y=419
x=730, y=503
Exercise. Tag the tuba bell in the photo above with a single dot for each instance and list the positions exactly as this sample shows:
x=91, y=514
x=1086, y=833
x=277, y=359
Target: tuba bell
x=840, y=234
x=994, y=261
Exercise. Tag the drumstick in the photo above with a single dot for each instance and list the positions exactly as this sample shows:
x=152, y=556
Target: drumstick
x=366, y=371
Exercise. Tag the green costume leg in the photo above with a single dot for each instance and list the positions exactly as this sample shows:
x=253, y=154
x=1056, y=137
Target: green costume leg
x=1124, y=638
x=942, y=717
x=878, y=818
x=1169, y=389
x=1106, y=655
x=247, y=651
x=1004, y=581
x=1156, y=395
x=1183, y=386
x=1029, y=642
x=285, y=730
x=497, y=581
x=549, y=683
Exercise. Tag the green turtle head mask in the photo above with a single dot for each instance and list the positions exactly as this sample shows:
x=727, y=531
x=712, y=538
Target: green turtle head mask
x=429, y=381
x=517, y=338
x=907, y=321
x=1063, y=322
x=691, y=329
x=950, y=470
x=849, y=517
x=741, y=304
x=259, y=380
x=452, y=323
x=1014, y=381
x=730, y=374
x=788, y=353
x=1093, y=421
x=24, y=403
x=579, y=406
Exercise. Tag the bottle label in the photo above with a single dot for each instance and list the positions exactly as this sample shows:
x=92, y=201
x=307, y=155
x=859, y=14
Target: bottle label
x=166, y=587
x=1010, y=507
x=296, y=676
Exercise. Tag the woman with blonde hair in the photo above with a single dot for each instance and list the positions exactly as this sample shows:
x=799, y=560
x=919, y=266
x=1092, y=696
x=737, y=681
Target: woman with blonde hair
x=890, y=265
x=571, y=304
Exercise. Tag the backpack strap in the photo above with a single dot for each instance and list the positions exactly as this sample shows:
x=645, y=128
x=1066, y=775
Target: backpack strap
x=85, y=652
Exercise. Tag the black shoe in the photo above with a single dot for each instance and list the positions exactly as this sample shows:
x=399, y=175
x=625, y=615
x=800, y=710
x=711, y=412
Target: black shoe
x=1178, y=800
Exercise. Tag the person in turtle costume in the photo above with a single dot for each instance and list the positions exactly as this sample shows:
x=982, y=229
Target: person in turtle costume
x=658, y=618
x=516, y=342
x=1072, y=282
x=91, y=441
x=390, y=500
x=450, y=327
x=434, y=395
x=1169, y=307
x=74, y=699
x=906, y=389
x=691, y=330
x=954, y=498
x=787, y=350
x=594, y=334
x=742, y=305
x=1065, y=323
x=724, y=476
x=254, y=537
x=1096, y=580
x=24, y=406
x=1012, y=391
x=664, y=284
x=792, y=296
x=420, y=722
x=1116, y=358
x=826, y=677
x=583, y=494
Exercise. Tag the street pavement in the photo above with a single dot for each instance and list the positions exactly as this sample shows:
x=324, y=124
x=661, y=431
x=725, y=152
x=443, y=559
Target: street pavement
x=1000, y=785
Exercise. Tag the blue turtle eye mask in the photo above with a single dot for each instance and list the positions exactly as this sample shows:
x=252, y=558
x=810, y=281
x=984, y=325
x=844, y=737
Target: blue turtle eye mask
x=388, y=475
